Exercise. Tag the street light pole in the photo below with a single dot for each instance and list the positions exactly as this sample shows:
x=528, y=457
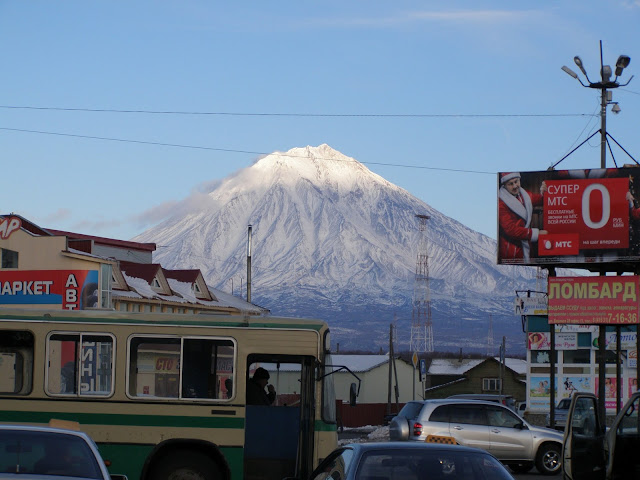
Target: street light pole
x=604, y=85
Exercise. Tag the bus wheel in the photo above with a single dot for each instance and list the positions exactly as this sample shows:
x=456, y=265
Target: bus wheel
x=185, y=465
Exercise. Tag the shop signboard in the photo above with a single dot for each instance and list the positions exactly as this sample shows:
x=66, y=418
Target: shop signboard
x=71, y=289
x=594, y=300
x=569, y=216
x=542, y=341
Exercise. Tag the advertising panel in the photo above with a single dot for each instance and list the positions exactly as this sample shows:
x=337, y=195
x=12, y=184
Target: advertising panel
x=576, y=384
x=542, y=341
x=535, y=305
x=71, y=289
x=594, y=300
x=569, y=216
x=539, y=393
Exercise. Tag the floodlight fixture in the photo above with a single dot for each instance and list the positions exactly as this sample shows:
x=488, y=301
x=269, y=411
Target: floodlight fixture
x=568, y=71
x=621, y=64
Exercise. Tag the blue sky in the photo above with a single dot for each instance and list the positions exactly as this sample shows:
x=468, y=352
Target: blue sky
x=477, y=88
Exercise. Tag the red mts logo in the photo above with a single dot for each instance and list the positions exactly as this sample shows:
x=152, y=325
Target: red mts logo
x=568, y=244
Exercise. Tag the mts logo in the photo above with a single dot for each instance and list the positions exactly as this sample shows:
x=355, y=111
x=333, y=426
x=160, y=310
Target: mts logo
x=564, y=244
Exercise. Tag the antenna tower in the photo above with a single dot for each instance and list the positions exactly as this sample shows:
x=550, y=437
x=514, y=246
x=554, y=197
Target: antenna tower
x=490, y=352
x=421, y=327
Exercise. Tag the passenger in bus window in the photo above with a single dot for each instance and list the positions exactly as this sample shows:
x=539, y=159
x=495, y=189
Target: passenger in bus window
x=228, y=384
x=256, y=394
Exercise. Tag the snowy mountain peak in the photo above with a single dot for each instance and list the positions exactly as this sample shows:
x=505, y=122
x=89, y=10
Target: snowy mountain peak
x=321, y=165
x=333, y=240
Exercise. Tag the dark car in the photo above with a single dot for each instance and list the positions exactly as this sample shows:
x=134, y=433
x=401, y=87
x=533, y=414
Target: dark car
x=33, y=452
x=409, y=461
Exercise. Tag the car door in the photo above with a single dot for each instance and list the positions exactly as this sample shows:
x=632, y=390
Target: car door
x=510, y=438
x=583, y=448
x=624, y=445
x=468, y=424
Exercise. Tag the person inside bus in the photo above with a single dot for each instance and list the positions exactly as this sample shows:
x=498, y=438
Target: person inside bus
x=256, y=394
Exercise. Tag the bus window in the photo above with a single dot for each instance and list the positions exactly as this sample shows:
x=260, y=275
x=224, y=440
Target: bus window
x=80, y=364
x=16, y=362
x=205, y=366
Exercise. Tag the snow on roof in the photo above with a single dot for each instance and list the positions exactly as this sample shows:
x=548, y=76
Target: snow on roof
x=453, y=366
x=359, y=363
x=184, y=294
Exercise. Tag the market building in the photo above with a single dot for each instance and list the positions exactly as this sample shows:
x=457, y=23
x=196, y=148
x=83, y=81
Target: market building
x=54, y=269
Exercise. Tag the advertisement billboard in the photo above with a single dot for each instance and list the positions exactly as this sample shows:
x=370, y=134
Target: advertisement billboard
x=569, y=216
x=594, y=300
x=71, y=289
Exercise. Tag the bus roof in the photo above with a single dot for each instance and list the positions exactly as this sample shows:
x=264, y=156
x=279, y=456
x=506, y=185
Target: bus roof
x=164, y=319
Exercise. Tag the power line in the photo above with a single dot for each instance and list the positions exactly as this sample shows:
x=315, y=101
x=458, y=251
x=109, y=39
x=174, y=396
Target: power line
x=230, y=150
x=293, y=114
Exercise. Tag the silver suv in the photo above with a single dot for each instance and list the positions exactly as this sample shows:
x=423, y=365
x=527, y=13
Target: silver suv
x=487, y=425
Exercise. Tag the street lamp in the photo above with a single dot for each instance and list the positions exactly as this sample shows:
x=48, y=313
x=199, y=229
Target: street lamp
x=603, y=85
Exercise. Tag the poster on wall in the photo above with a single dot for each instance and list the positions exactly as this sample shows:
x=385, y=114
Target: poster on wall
x=575, y=384
x=569, y=216
x=539, y=393
x=594, y=300
x=71, y=289
x=610, y=384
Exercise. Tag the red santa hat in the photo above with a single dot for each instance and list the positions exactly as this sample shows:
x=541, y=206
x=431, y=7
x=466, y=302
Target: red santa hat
x=506, y=176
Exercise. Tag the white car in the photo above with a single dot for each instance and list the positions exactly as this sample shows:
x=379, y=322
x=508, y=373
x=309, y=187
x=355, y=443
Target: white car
x=486, y=425
x=34, y=452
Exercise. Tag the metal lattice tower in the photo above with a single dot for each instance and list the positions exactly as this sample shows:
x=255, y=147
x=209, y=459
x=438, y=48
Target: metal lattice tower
x=490, y=351
x=421, y=328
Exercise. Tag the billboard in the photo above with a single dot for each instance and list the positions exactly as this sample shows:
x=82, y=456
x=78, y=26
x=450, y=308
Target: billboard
x=594, y=300
x=569, y=216
x=71, y=289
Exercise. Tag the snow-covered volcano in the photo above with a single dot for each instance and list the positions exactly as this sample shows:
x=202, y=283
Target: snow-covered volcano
x=333, y=240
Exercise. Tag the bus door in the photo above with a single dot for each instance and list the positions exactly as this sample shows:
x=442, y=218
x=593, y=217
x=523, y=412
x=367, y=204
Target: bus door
x=279, y=427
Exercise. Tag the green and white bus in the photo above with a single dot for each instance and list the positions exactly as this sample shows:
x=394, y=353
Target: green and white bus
x=163, y=395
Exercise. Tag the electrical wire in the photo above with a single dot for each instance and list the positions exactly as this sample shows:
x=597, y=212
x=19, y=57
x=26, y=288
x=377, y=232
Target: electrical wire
x=292, y=114
x=229, y=150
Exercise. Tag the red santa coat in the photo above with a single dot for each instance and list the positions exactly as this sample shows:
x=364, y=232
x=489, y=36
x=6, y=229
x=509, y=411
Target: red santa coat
x=514, y=217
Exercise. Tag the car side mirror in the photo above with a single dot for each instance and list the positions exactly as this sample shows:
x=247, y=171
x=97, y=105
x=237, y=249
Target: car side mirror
x=117, y=476
x=352, y=395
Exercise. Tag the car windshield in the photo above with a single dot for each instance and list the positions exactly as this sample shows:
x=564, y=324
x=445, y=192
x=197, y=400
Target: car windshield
x=564, y=404
x=46, y=453
x=427, y=464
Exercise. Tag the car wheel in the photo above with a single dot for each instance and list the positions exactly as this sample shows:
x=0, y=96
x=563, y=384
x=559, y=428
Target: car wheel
x=521, y=467
x=548, y=459
x=185, y=465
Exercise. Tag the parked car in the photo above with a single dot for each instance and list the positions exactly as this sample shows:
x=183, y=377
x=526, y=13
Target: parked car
x=560, y=414
x=409, y=461
x=599, y=453
x=33, y=452
x=506, y=400
x=486, y=425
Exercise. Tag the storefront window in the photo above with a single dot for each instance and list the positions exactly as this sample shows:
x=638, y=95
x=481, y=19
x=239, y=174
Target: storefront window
x=576, y=356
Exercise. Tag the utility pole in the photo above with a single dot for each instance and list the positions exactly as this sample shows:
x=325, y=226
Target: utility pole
x=249, y=265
